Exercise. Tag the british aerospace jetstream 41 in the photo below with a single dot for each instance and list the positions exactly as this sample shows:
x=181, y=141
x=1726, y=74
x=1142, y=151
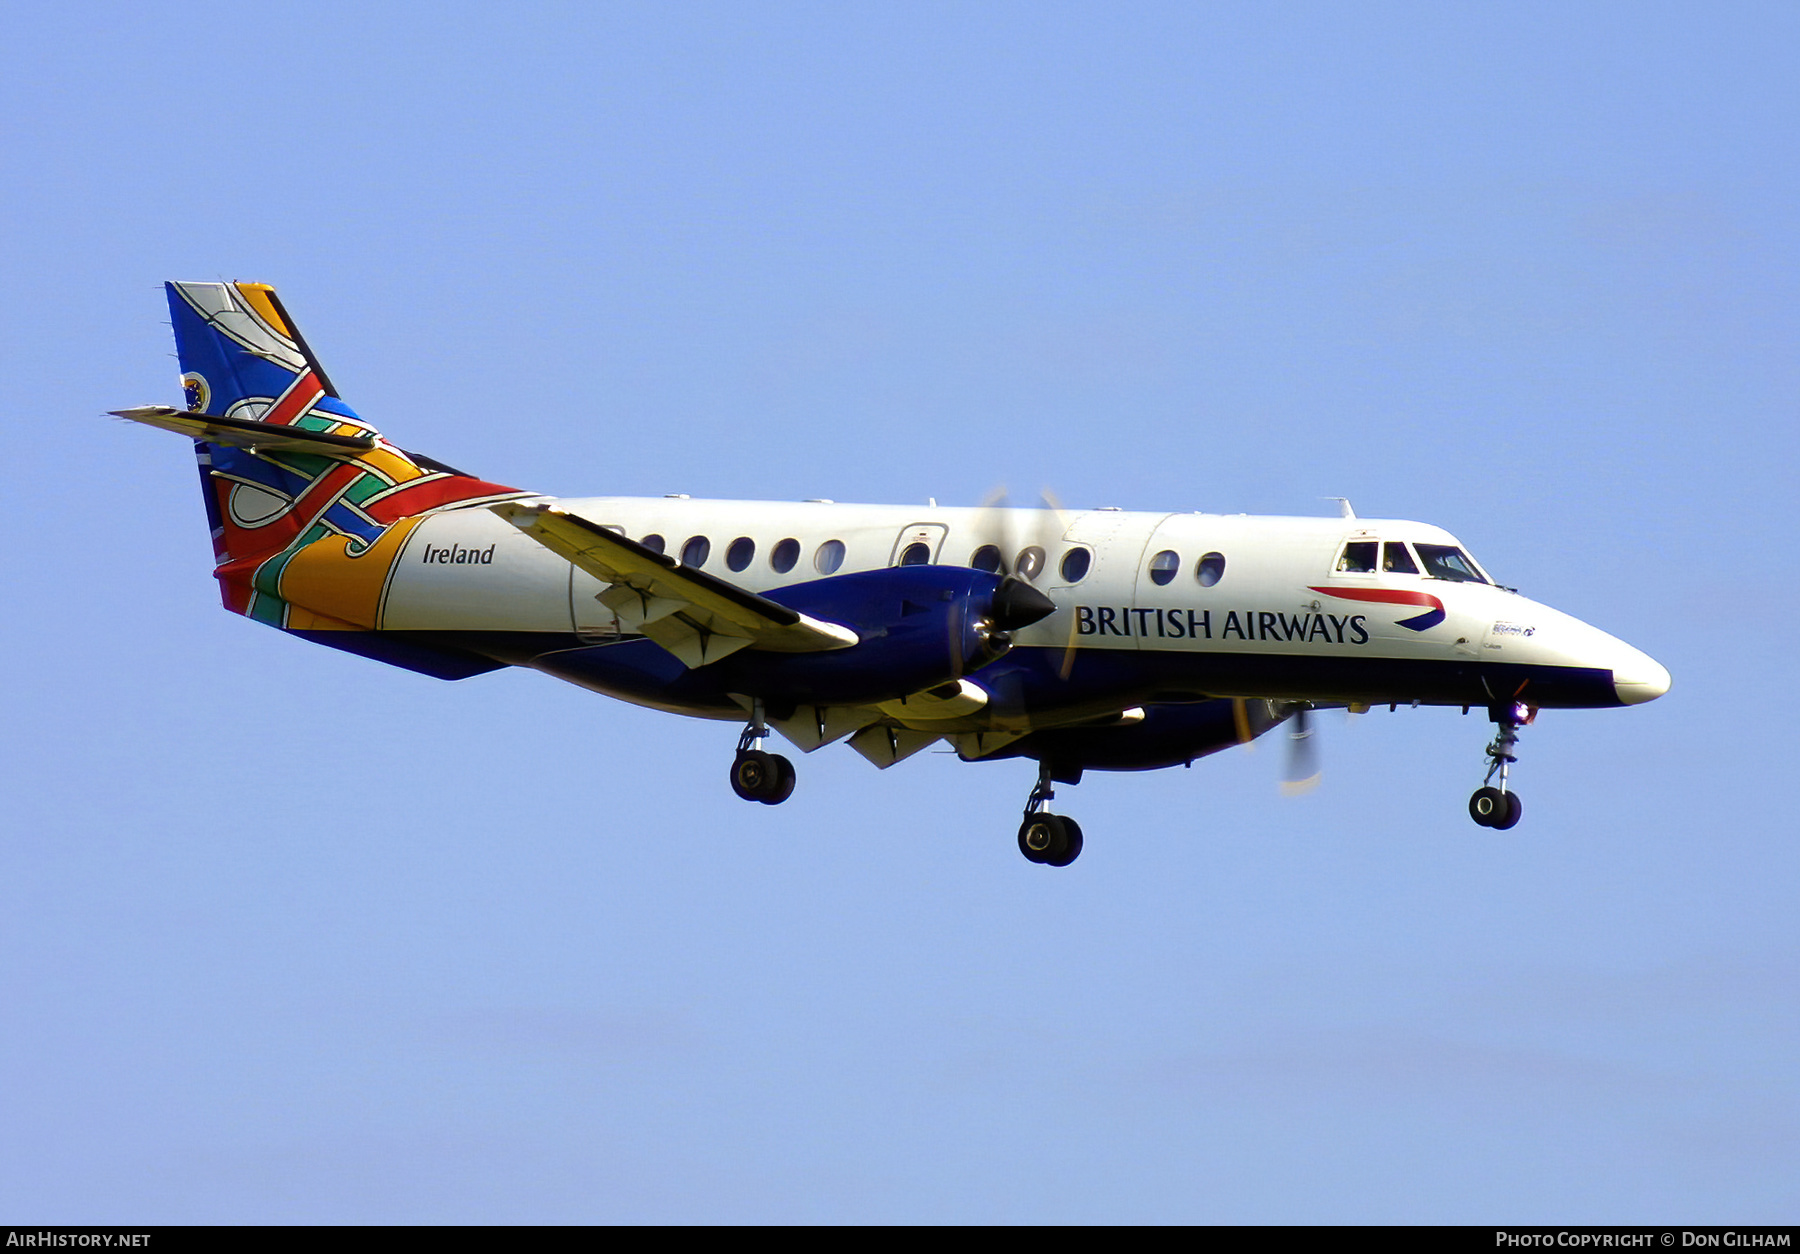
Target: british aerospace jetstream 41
x=1090, y=640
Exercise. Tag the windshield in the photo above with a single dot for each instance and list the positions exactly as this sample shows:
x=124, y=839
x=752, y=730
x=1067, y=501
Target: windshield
x=1446, y=561
x=1395, y=559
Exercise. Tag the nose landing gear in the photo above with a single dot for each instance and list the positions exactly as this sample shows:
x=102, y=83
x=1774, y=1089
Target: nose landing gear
x=1045, y=838
x=1492, y=806
x=757, y=775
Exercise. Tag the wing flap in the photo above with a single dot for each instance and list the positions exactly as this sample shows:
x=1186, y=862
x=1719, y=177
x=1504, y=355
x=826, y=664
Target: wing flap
x=954, y=700
x=884, y=744
x=814, y=726
x=971, y=746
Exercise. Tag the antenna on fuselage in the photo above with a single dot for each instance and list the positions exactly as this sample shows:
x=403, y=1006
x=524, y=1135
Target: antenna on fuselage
x=1344, y=510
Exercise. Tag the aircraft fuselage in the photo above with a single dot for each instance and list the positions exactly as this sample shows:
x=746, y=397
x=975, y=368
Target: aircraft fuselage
x=1277, y=621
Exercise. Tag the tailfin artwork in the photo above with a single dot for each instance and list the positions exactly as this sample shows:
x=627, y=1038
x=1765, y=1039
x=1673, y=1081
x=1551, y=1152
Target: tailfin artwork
x=309, y=504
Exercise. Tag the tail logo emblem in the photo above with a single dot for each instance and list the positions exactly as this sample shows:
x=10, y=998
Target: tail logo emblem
x=196, y=391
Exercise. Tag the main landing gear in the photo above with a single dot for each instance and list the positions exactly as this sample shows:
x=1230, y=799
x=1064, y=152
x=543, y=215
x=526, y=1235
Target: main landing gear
x=1494, y=806
x=757, y=775
x=1046, y=838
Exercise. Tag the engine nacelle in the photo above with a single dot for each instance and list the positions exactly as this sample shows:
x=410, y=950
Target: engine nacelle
x=919, y=626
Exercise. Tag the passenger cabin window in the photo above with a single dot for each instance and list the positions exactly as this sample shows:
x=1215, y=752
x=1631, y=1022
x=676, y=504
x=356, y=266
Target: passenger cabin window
x=1075, y=565
x=1210, y=570
x=739, y=554
x=1163, y=567
x=655, y=543
x=988, y=558
x=916, y=554
x=696, y=551
x=1396, y=560
x=1358, y=558
x=1030, y=563
x=784, y=556
x=829, y=557
x=1446, y=561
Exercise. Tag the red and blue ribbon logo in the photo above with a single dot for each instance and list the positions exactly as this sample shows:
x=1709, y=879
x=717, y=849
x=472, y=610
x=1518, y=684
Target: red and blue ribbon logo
x=1395, y=596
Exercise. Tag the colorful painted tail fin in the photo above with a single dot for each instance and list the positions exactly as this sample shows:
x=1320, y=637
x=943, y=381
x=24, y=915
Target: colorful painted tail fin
x=309, y=504
x=241, y=357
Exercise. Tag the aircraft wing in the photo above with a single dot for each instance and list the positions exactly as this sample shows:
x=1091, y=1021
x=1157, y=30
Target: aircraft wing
x=247, y=432
x=698, y=617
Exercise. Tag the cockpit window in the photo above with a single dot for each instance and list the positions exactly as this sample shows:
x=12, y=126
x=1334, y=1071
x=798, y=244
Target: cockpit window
x=1358, y=558
x=1396, y=560
x=1446, y=561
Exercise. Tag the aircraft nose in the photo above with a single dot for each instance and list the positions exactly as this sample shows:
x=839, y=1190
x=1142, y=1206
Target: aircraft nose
x=1640, y=679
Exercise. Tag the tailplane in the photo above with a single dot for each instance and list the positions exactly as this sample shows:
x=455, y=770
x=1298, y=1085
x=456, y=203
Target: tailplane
x=309, y=504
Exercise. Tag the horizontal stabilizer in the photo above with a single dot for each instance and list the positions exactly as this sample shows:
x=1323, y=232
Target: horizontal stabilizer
x=698, y=617
x=248, y=432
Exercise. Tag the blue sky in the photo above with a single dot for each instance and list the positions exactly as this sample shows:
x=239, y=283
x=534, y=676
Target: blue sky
x=289, y=936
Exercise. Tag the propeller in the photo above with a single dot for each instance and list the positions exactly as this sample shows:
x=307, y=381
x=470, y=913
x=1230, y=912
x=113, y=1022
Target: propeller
x=1018, y=543
x=1301, y=774
x=1014, y=604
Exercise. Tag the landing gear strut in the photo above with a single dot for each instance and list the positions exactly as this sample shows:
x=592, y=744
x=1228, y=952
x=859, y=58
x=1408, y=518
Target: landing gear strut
x=1494, y=806
x=757, y=775
x=1046, y=838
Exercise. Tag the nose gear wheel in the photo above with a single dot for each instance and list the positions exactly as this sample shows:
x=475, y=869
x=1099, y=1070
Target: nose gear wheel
x=1495, y=806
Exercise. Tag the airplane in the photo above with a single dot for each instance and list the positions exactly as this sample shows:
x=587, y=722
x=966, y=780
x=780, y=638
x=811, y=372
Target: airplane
x=1084, y=640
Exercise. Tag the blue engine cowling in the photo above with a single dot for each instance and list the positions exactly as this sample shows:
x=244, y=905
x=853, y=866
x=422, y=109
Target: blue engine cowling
x=919, y=626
